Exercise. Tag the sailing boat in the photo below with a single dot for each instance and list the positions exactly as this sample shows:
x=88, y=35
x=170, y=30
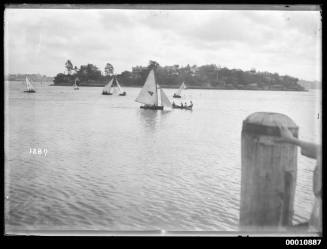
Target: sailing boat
x=29, y=86
x=121, y=92
x=179, y=91
x=75, y=85
x=107, y=88
x=149, y=95
x=181, y=106
x=113, y=84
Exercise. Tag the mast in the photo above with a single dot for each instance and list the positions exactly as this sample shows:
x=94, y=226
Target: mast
x=155, y=80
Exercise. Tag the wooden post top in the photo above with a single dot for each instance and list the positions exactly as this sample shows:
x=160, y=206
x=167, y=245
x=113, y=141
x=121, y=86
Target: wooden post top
x=266, y=123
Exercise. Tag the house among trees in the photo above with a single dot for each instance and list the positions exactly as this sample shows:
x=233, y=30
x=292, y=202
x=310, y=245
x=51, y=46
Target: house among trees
x=205, y=76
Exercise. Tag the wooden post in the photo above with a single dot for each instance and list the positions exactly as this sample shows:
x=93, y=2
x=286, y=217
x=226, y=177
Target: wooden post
x=268, y=173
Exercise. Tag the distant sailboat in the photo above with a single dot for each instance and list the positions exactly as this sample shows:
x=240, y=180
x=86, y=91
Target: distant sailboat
x=107, y=88
x=179, y=91
x=29, y=87
x=120, y=90
x=114, y=85
x=75, y=85
x=149, y=95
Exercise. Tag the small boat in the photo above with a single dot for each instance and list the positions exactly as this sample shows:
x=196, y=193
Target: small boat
x=107, y=88
x=149, y=94
x=29, y=86
x=75, y=85
x=120, y=90
x=113, y=84
x=186, y=107
x=179, y=91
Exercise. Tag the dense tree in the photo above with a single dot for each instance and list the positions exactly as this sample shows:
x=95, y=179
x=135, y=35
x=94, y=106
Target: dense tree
x=153, y=64
x=89, y=72
x=69, y=66
x=63, y=78
x=194, y=76
x=109, y=69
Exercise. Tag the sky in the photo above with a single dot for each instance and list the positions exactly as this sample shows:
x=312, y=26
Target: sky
x=42, y=40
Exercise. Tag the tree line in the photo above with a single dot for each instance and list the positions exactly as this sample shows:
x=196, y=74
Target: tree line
x=205, y=76
x=33, y=77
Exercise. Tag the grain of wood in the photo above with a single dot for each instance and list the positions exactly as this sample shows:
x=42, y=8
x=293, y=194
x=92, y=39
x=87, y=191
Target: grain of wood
x=268, y=176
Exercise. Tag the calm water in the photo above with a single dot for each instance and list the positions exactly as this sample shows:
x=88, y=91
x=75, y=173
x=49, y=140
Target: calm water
x=112, y=166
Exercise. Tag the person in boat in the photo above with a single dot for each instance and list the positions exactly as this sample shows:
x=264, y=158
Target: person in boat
x=182, y=104
x=191, y=103
x=313, y=151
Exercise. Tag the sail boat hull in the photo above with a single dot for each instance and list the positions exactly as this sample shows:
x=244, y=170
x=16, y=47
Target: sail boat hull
x=151, y=107
x=122, y=94
x=176, y=96
x=182, y=107
x=29, y=91
x=104, y=93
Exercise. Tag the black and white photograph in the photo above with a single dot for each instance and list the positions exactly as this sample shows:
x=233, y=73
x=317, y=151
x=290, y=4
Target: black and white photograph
x=165, y=120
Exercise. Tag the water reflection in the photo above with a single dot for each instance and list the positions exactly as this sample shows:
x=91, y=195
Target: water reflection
x=151, y=119
x=144, y=169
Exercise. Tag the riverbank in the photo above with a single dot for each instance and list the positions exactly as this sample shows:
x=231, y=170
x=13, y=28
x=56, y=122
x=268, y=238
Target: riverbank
x=190, y=87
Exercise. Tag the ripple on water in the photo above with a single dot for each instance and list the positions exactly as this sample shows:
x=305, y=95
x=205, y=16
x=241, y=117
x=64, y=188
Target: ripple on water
x=111, y=166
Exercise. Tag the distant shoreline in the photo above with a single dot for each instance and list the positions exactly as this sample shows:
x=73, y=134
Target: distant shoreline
x=190, y=87
x=247, y=88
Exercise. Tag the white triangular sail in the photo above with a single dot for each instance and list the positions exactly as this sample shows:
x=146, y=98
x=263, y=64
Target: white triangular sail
x=105, y=88
x=114, y=86
x=119, y=87
x=164, y=99
x=116, y=90
x=28, y=84
x=179, y=91
x=148, y=94
x=108, y=86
